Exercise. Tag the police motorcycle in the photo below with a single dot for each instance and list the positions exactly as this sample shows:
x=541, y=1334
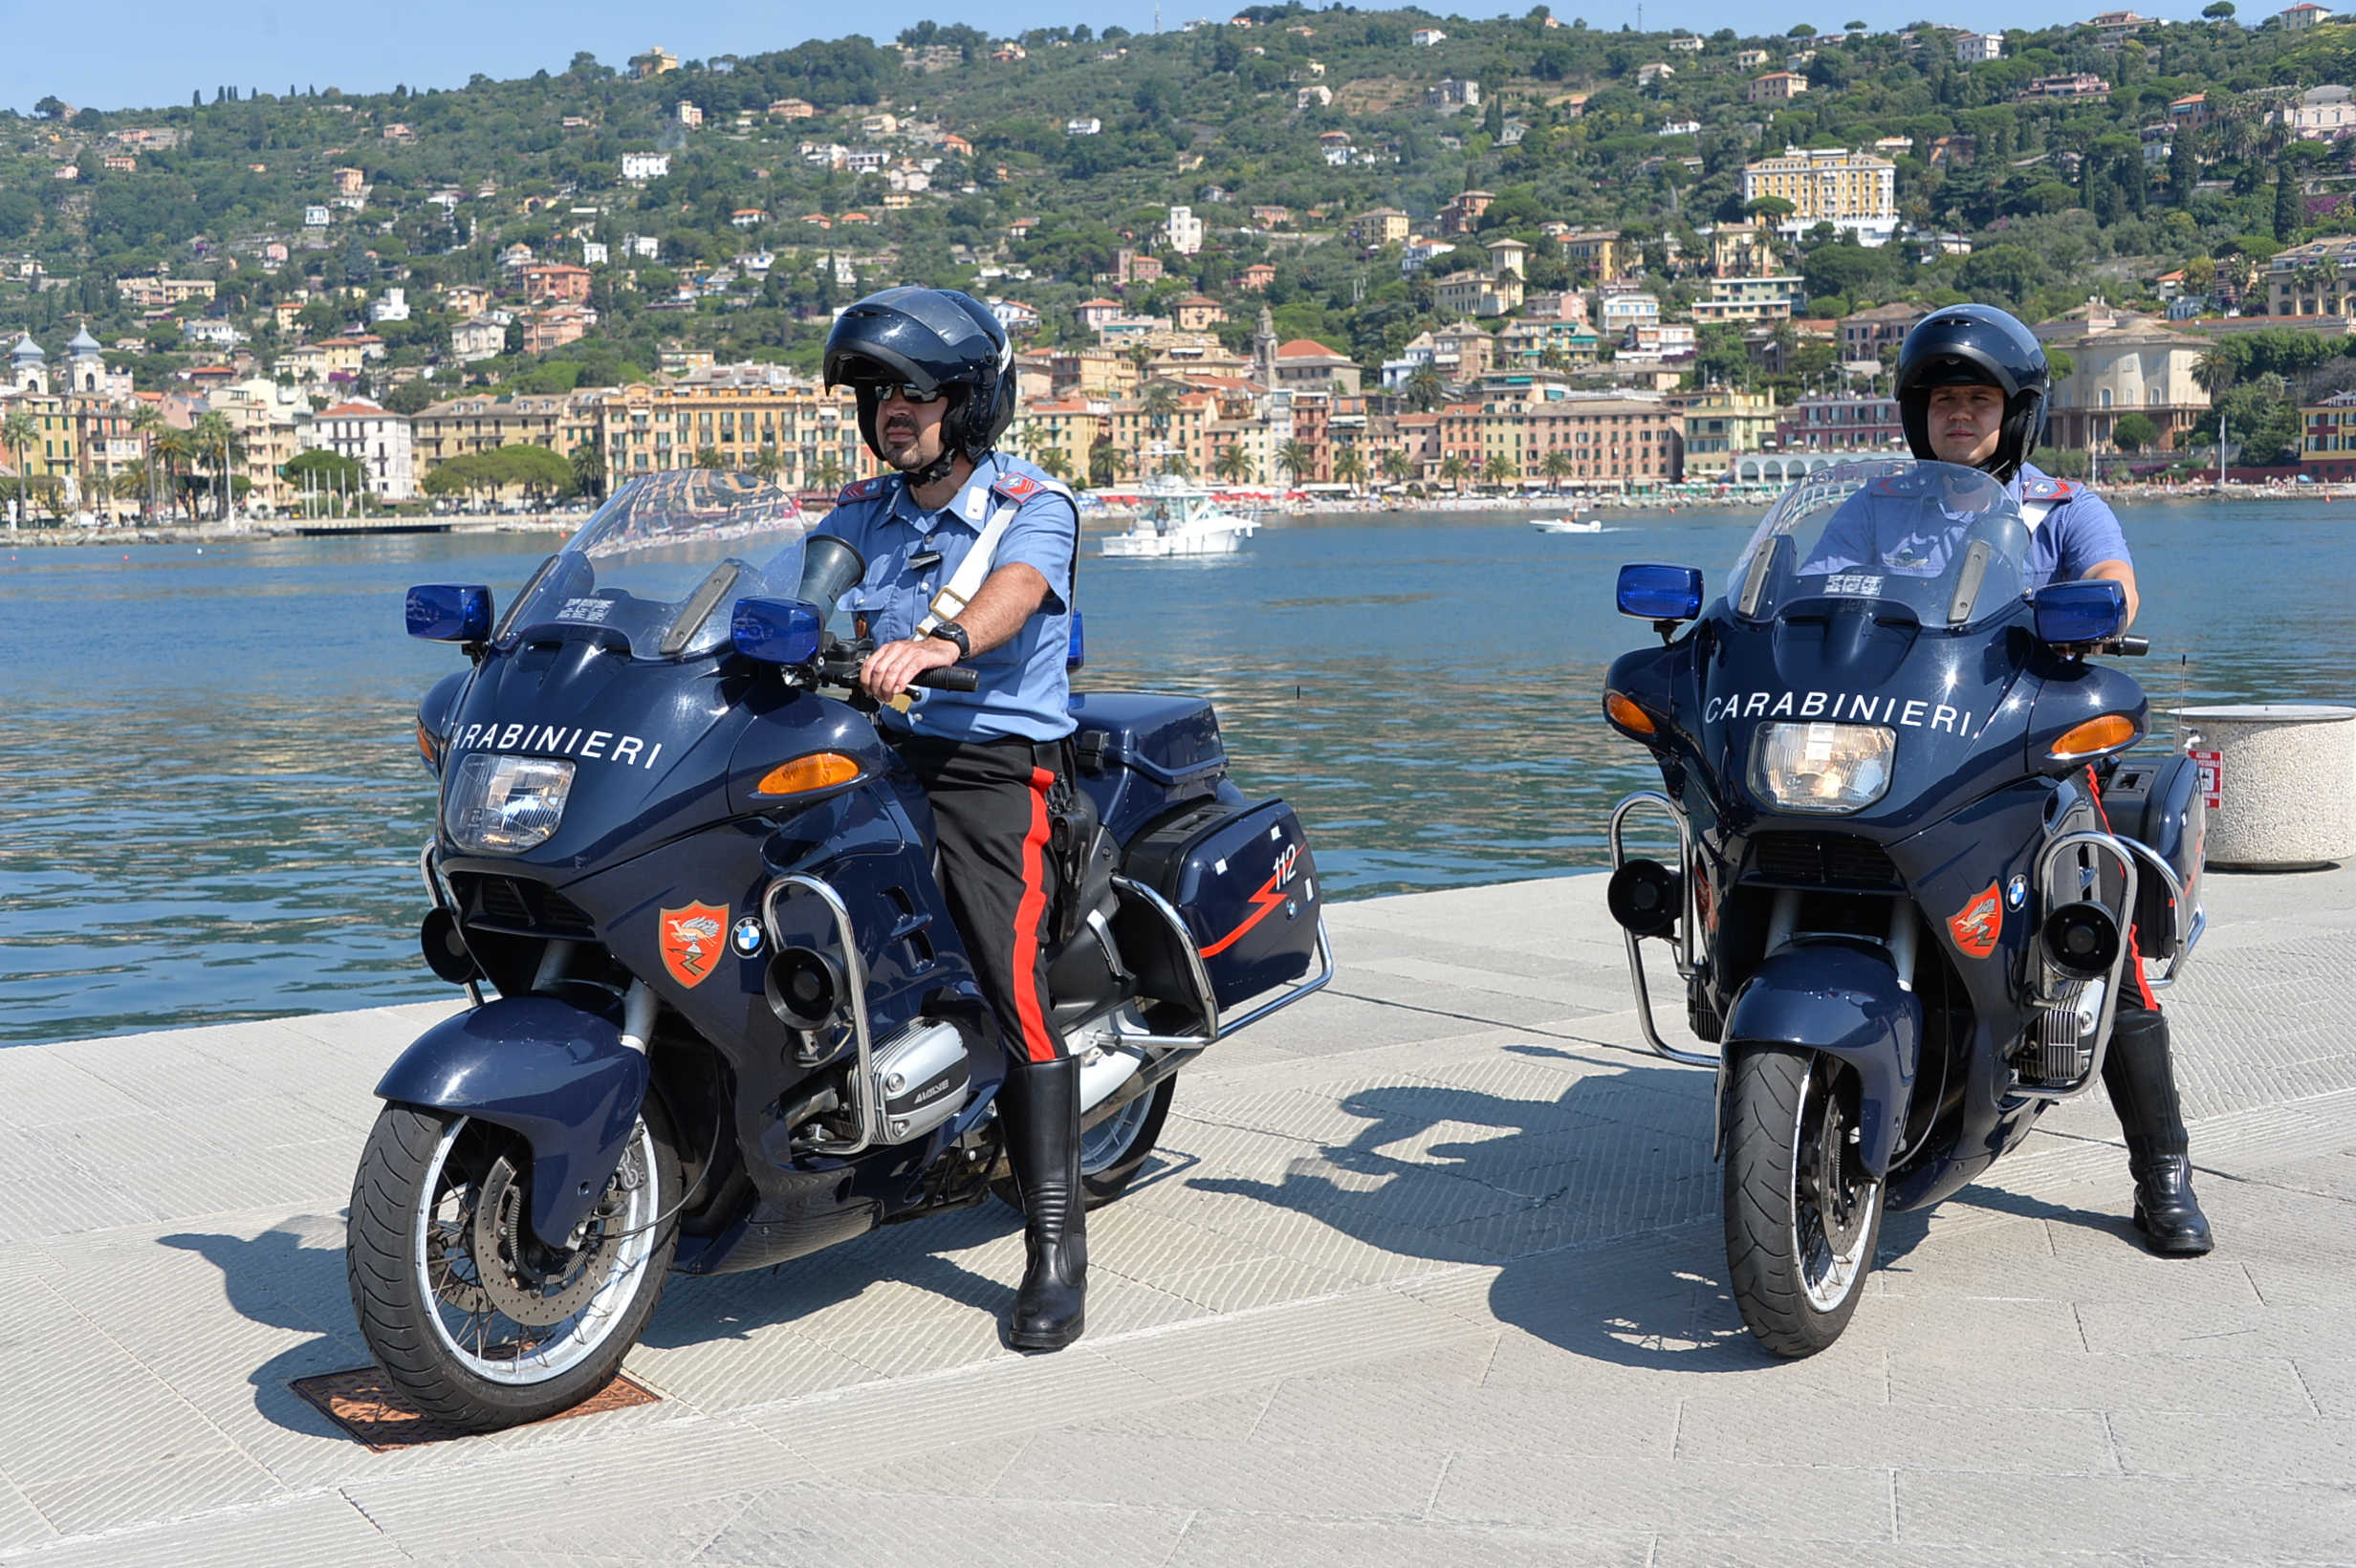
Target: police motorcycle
x=721, y=1017
x=1900, y=912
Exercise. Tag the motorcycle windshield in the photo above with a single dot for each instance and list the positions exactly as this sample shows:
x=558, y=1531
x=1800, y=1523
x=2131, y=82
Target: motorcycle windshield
x=664, y=562
x=1946, y=542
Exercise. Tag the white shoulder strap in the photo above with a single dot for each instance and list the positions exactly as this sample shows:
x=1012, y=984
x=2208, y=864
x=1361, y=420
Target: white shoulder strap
x=2033, y=512
x=971, y=572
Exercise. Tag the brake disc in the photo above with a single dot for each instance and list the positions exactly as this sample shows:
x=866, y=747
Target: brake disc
x=526, y=1282
x=450, y=1261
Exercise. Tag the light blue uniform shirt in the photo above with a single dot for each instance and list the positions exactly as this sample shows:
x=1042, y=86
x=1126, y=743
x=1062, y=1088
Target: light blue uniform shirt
x=2075, y=531
x=2077, y=534
x=911, y=554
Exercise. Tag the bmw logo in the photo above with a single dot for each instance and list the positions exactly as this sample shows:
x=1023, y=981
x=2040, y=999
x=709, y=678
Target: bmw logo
x=2015, y=892
x=747, y=936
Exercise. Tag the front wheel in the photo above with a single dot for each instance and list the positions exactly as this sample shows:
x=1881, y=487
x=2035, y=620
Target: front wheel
x=473, y=1319
x=1801, y=1215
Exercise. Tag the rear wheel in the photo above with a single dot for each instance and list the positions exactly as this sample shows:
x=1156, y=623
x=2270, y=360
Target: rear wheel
x=476, y=1321
x=1801, y=1215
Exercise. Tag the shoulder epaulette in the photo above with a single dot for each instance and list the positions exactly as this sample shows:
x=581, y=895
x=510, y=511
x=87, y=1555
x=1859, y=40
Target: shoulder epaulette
x=2048, y=489
x=1021, y=487
x=863, y=490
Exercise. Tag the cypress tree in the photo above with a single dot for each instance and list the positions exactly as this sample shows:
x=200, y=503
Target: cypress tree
x=2286, y=207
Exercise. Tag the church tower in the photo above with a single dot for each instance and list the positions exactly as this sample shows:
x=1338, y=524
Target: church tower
x=29, y=366
x=85, y=370
x=1264, y=350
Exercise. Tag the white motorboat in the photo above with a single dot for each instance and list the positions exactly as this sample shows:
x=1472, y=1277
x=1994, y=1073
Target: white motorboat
x=1568, y=525
x=1178, y=519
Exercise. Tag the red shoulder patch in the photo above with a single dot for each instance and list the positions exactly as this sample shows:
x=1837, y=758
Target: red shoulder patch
x=863, y=490
x=1017, y=486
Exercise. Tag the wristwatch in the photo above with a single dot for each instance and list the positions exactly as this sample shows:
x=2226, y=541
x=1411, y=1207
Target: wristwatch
x=949, y=631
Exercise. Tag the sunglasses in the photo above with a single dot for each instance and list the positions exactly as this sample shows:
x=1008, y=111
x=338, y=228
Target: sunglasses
x=909, y=394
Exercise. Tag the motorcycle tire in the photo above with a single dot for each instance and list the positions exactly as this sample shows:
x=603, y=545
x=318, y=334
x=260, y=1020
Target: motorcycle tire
x=1113, y=1150
x=1797, y=1262
x=412, y=1254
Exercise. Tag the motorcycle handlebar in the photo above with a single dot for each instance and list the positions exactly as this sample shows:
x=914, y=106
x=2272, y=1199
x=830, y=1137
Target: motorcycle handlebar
x=2129, y=647
x=845, y=672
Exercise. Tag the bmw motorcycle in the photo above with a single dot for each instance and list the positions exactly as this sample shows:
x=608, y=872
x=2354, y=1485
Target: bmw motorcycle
x=721, y=1017
x=1901, y=910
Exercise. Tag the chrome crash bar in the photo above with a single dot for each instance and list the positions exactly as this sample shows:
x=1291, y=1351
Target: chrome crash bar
x=1198, y=977
x=855, y=981
x=2050, y=995
x=1687, y=922
x=2189, y=929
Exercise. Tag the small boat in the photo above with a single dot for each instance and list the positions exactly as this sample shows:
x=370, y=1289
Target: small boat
x=1567, y=525
x=1179, y=519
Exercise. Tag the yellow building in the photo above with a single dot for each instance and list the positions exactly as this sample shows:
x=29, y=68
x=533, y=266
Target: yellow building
x=464, y=426
x=1848, y=190
x=813, y=434
x=1719, y=425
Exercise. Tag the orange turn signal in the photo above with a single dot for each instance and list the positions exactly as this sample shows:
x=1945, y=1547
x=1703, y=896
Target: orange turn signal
x=1627, y=715
x=2106, y=734
x=425, y=747
x=818, y=771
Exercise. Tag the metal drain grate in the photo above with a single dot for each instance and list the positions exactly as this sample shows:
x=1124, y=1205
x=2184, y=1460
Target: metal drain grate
x=365, y=1405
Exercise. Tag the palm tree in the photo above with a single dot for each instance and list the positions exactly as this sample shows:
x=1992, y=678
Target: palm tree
x=1397, y=466
x=174, y=449
x=2215, y=369
x=145, y=424
x=1557, y=467
x=19, y=432
x=1350, y=467
x=1232, y=464
x=830, y=472
x=766, y=464
x=214, y=435
x=1106, y=461
x=588, y=462
x=1454, y=470
x=710, y=459
x=1425, y=387
x=1056, y=462
x=1161, y=401
x=1503, y=474
x=1294, y=458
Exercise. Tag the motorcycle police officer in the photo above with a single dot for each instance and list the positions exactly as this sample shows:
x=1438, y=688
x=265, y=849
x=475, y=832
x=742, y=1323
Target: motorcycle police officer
x=933, y=373
x=1971, y=386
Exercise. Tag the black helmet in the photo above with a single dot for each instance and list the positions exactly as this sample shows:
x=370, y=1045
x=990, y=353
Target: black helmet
x=927, y=338
x=1976, y=345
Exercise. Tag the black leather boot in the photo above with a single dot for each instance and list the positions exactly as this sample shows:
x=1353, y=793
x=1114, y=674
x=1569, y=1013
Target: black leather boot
x=2143, y=1090
x=1041, y=1107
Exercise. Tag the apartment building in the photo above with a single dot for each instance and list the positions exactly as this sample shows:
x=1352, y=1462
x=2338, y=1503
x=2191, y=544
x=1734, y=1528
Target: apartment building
x=1847, y=188
x=375, y=438
x=739, y=413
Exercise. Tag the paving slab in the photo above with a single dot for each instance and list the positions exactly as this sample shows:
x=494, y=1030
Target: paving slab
x=1429, y=1268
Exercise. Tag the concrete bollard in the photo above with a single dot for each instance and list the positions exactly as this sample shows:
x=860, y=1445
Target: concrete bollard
x=2280, y=780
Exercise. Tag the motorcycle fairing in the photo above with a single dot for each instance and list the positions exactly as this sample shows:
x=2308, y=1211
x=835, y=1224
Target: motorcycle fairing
x=543, y=1067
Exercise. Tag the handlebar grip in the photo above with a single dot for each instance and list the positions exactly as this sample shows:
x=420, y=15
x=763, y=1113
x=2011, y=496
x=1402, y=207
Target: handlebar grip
x=949, y=679
x=2132, y=648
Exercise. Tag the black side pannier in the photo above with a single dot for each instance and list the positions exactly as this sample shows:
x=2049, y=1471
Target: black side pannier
x=1244, y=885
x=2158, y=803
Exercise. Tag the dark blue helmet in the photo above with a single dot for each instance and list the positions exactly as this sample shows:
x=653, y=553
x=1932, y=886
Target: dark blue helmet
x=927, y=338
x=1976, y=345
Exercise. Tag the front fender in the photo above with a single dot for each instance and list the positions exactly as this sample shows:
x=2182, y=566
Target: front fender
x=553, y=1073
x=1845, y=1002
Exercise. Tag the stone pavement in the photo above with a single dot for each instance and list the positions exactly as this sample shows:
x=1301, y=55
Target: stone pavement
x=1428, y=1269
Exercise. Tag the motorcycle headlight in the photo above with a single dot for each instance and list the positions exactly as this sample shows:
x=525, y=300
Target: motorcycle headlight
x=500, y=805
x=1828, y=767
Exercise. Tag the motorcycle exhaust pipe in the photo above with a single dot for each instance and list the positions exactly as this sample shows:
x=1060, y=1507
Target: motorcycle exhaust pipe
x=2082, y=940
x=1646, y=897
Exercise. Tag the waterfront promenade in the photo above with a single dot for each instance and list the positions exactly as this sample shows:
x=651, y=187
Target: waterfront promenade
x=1428, y=1271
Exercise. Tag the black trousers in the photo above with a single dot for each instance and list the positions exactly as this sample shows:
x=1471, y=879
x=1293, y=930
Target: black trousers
x=990, y=809
x=2138, y=1073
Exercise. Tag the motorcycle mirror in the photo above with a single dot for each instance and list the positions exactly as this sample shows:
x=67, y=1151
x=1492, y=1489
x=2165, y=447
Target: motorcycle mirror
x=777, y=631
x=1660, y=593
x=449, y=612
x=829, y=567
x=2088, y=610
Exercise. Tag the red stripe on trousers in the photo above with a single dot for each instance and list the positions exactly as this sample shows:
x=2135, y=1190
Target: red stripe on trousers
x=2134, y=958
x=1037, y=1043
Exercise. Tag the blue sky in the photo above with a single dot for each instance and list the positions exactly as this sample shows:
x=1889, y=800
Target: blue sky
x=141, y=53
